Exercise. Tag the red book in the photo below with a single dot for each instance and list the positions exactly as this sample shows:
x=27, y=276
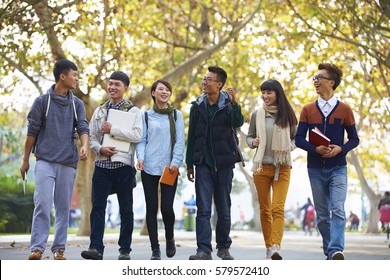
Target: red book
x=317, y=138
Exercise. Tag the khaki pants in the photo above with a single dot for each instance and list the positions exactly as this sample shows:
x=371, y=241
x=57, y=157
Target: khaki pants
x=272, y=197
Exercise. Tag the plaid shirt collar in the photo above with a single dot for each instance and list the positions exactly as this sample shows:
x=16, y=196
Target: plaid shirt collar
x=116, y=106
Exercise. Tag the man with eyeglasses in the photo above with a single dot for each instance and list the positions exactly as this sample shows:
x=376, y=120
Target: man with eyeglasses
x=327, y=165
x=212, y=149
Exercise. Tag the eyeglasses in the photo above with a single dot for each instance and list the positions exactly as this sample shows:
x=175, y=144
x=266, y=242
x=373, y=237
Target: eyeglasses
x=320, y=77
x=208, y=80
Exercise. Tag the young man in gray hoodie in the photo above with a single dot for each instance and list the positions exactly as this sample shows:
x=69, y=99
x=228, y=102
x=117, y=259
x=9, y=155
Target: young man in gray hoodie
x=52, y=121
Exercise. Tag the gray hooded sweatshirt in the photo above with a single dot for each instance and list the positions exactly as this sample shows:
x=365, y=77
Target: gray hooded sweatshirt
x=54, y=136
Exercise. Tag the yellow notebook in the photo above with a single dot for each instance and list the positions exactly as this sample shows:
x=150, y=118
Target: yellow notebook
x=167, y=177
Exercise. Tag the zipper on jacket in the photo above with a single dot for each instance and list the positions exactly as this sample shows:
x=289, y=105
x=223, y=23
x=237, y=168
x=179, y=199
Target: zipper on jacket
x=211, y=140
x=324, y=162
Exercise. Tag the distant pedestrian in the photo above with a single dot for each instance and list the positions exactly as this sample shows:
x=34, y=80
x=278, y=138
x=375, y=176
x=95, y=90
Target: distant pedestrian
x=109, y=214
x=304, y=208
x=353, y=221
x=385, y=200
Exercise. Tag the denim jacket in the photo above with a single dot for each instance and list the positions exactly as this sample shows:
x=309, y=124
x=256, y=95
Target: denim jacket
x=155, y=147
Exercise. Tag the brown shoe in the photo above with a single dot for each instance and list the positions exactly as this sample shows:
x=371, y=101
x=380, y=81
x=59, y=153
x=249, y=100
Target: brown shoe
x=35, y=255
x=59, y=255
x=224, y=254
x=201, y=256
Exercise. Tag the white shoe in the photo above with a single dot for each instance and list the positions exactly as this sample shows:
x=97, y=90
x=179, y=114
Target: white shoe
x=268, y=253
x=276, y=255
x=338, y=256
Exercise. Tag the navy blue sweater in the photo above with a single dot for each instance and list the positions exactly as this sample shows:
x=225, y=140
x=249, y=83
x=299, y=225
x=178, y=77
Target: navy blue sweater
x=341, y=119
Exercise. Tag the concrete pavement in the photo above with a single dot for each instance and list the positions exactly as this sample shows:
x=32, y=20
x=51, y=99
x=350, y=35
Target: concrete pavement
x=247, y=245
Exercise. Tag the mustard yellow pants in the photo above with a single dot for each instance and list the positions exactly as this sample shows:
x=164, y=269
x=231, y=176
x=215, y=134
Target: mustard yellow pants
x=272, y=197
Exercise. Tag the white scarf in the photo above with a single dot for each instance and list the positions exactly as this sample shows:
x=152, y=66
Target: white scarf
x=280, y=140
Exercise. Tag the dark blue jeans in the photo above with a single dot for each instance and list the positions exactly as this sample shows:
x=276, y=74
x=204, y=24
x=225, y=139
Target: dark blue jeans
x=210, y=183
x=103, y=181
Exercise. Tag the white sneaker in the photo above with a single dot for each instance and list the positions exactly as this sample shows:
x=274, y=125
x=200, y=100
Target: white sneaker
x=268, y=253
x=276, y=255
x=338, y=256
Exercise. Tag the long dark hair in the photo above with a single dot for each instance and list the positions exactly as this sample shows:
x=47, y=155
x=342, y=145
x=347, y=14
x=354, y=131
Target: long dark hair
x=286, y=115
x=154, y=86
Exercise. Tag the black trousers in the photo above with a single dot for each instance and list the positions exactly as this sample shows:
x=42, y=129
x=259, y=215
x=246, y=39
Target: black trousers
x=150, y=184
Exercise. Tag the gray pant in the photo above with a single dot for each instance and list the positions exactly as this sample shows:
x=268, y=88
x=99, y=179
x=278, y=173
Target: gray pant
x=53, y=181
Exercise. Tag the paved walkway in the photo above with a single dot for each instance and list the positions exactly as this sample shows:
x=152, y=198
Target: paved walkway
x=247, y=245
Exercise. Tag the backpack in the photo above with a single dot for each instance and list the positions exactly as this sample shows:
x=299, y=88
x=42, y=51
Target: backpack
x=146, y=117
x=44, y=116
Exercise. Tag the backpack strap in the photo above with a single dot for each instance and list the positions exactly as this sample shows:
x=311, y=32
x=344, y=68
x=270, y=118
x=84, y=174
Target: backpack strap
x=74, y=109
x=146, y=119
x=44, y=117
x=48, y=106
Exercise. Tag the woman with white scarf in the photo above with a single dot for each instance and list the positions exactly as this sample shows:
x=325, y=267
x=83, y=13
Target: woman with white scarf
x=272, y=133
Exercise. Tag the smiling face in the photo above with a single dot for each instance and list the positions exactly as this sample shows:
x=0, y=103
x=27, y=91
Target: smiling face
x=70, y=79
x=161, y=95
x=269, y=97
x=116, y=90
x=322, y=83
x=211, y=84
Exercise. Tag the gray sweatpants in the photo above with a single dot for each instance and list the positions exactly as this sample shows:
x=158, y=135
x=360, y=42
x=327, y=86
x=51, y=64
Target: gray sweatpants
x=53, y=181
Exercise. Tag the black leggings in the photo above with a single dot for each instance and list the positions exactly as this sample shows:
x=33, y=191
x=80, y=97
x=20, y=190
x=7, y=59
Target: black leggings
x=150, y=184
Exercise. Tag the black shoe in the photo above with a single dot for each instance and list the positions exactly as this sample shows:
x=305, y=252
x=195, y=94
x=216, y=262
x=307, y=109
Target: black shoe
x=171, y=248
x=156, y=254
x=201, y=256
x=224, y=254
x=124, y=256
x=92, y=254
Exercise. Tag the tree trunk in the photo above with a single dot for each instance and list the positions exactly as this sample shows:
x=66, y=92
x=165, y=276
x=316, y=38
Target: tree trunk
x=255, y=202
x=373, y=217
x=83, y=186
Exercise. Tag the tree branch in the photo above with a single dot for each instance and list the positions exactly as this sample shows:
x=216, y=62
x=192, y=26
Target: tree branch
x=371, y=51
x=186, y=66
x=24, y=72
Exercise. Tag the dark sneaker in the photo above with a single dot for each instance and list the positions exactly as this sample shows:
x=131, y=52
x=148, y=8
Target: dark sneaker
x=156, y=254
x=338, y=256
x=92, y=254
x=59, y=255
x=201, y=256
x=35, y=255
x=276, y=254
x=171, y=248
x=224, y=254
x=124, y=256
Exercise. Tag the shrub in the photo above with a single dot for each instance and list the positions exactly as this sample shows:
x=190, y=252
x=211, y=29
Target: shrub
x=16, y=208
